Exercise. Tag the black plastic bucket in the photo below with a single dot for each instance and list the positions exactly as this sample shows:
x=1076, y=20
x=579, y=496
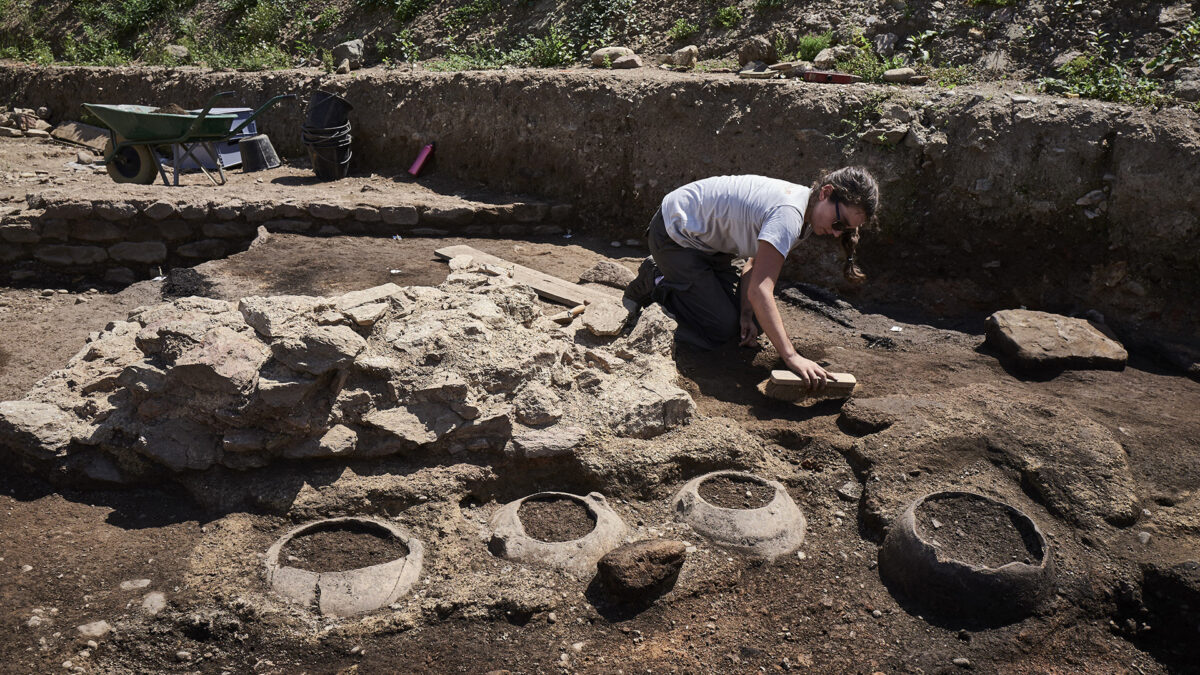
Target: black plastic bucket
x=326, y=110
x=331, y=163
x=257, y=153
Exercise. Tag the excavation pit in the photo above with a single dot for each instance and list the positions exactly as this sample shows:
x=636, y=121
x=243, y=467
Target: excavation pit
x=761, y=526
x=319, y=579
x=968, y=556
x=554, y=515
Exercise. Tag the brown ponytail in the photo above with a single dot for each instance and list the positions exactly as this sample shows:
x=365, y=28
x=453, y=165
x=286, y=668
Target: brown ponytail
x=853, y=186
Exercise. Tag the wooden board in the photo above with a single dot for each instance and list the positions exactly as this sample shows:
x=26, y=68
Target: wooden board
x=843, y=383
x=81, y=134
x=547, y=286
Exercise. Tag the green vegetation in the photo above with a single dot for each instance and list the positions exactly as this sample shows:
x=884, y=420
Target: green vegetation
x=682, y=30
x=808, y=46
x=459, y=17
x=992, y=3
x=399, y=48
x=920, y=45
x=767, y=5
x=1182, y=50
x=727, y=17
x=1102, y=74
x=597, y=23
x=866, y=63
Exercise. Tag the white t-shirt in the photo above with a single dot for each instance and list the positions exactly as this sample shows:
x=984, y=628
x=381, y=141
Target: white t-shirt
x=731, y=214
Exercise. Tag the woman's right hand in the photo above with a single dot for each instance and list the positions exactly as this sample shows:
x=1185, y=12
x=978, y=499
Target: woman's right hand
x=814, y=376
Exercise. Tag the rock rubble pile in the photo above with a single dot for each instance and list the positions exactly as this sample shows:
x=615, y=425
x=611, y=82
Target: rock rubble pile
x=467, y=368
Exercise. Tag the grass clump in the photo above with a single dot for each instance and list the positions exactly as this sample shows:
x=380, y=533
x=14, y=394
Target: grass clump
x=682, y=30
x=727, y=17
x=866, y=63
x=808, y=46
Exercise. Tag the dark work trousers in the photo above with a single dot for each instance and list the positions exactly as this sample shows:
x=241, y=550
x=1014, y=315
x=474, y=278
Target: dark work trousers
x=699, y=289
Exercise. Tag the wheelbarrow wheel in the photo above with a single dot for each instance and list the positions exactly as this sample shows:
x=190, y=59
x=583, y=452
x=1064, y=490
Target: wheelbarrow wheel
x=132, y=164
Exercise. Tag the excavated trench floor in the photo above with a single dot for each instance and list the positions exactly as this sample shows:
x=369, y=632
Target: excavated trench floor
x=64, y=555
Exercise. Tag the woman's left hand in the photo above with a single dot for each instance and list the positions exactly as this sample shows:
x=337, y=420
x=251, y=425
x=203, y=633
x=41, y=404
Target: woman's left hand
x=749, y=331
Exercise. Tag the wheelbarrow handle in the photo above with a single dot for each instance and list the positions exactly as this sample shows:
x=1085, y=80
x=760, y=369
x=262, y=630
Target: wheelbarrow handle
x=204, y=113
x=261, y=108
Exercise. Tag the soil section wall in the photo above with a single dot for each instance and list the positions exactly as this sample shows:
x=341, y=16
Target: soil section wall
x=990, y=199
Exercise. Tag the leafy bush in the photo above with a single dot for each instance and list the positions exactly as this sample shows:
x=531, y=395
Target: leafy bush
x=866, y=63
x=682, y=30
x=475, y=9
x=553, y=49
x=598, y=22
x=767, y=5
x=808, y=46
x=1102, y=74
x=399, y=48
x=1182, y=50
x=727, y=17
x=407, y=10
x=920, y=45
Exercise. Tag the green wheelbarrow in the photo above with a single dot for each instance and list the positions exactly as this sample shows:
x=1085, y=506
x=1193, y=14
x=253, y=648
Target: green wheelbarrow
x=134, y=130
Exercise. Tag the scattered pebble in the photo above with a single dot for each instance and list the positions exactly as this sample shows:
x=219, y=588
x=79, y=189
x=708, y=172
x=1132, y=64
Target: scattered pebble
x=551, y=618
x=615, y=244
x=936, y=523
x=851, y=491
x=1144, y=537
x=154, y=603
x=183, y=655
x=95, y=629
x=896, y=329
x=27, y=568
x=633, y=242
x=577, y=647
x=961, y=662
x=134, y=584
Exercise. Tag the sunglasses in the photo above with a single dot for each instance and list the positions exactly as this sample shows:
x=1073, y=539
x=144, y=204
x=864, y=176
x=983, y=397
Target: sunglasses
x=838, y=225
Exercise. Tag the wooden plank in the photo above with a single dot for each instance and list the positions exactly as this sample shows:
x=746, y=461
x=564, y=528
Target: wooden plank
x=842, y=385
x=81, y=134
x=547, y=286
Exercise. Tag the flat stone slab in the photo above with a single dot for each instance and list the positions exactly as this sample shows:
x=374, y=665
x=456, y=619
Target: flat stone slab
x=1043, y=341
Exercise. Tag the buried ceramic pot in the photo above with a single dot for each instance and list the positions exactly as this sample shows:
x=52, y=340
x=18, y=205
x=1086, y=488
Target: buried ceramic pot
x=768, y=532
x=578, y=556
x=964, y=588
x=349, y=592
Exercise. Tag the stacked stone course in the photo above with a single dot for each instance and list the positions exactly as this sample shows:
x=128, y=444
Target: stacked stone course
x=123, y=241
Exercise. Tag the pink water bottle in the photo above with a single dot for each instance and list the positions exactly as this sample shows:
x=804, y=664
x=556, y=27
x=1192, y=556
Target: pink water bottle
x=422, y=157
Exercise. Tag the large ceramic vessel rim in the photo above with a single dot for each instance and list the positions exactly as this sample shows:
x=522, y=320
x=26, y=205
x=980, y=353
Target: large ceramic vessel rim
x=1016, y=564
x=582, y=500
x=333, y=523
x=741, y=474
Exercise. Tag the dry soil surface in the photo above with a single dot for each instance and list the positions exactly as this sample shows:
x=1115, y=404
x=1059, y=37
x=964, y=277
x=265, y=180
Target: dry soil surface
x=65, y=555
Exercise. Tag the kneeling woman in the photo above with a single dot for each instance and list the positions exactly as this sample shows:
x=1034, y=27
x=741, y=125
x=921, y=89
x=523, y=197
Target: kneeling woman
x=704, y=225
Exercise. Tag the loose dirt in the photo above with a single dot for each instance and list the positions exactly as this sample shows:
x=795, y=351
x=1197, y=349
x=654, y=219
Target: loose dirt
x=555, y=519
x=977, y=531
x=346, y=547
x=736, y=493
